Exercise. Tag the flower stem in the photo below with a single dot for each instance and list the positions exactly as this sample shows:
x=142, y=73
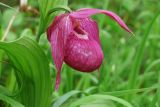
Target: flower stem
x=67, y=9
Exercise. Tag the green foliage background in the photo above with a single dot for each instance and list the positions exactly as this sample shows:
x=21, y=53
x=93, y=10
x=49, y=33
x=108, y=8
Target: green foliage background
x=129, y=75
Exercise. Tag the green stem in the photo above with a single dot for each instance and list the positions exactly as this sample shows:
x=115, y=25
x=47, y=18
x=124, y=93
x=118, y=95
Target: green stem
x=5, y=5
x=67, y=9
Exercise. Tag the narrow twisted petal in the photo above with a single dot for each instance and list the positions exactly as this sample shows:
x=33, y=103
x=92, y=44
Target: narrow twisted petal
x=86, y=12
x=65, y=26
x=57, y=43
x=54, y=25
x=63, y=23
x=57, y=34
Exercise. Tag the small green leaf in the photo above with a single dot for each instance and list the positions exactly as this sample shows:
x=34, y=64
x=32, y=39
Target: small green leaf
x=10, y=101
x=45, y=6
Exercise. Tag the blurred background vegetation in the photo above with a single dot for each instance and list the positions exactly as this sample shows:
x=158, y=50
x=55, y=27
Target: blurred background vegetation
x=131, y=67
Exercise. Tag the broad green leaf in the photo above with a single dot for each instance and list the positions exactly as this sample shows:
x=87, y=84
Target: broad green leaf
x=91, y=98
x=10, y=101
x=64, y=98
x=29, y=59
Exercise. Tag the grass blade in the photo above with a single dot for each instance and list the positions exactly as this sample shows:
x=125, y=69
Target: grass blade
x=131, y=91
x=7, y=6
x=95, y=97
x=64, y=98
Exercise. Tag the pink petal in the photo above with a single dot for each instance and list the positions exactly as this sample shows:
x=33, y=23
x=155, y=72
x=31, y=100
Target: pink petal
x=65, y=27
x=91, y=27
x=57, y=44
x=83, y=54
x=86, y=12
x=57, y=34
x=52, y=27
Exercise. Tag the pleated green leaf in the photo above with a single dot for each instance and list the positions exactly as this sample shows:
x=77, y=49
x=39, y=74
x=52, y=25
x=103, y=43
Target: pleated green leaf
x=31, y=62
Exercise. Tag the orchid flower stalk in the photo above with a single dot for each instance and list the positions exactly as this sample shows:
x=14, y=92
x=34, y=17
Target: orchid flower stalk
x=74, y=39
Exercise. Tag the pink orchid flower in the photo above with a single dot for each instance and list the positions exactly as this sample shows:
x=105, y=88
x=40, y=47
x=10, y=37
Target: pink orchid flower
x=74, y=39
